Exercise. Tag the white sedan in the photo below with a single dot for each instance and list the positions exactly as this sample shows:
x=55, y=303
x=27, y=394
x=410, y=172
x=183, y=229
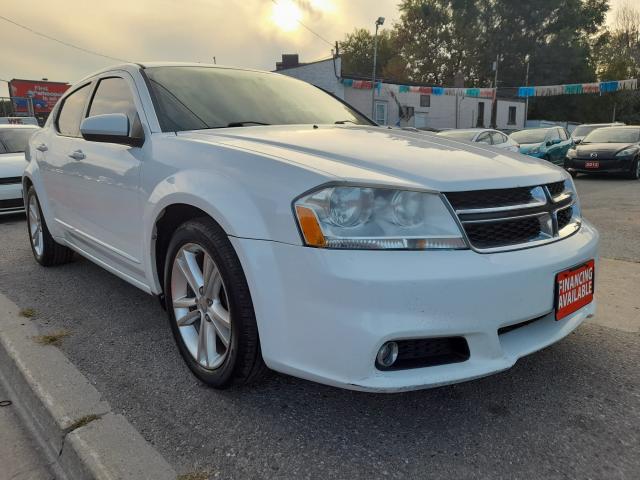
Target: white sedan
x=283, y=229
x=13, y=142
x=485, y=136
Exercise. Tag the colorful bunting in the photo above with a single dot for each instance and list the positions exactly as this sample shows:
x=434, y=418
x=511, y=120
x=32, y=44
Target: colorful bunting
x=578, y=88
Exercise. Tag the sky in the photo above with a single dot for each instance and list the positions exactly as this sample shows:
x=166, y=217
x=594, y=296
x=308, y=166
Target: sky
x=248, y=33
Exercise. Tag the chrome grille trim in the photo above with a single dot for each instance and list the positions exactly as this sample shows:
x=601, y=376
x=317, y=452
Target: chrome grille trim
x=546, y=201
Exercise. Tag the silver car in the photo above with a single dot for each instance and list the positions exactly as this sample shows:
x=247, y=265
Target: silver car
x=487, y=136
x=13, y=142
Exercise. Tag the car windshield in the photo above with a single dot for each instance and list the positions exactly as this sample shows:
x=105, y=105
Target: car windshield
x=459, y=134
x=613, y=135
x=530, y=136
x=195, y=98
x=15, y=140
x=584, y=130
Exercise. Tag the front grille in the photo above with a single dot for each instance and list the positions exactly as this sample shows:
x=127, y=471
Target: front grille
x=503, y=219
x=11, y=203
x=429, y=352
x=503, y=233
x=489, y=198
x=10, y=180
x=564, y=217
x=556, y=188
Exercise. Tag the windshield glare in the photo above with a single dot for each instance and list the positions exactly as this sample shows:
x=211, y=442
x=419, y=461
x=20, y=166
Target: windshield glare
x=195, y=98
x=458, y=135
x=530, y=136
x=613, y=135
x=15, y=140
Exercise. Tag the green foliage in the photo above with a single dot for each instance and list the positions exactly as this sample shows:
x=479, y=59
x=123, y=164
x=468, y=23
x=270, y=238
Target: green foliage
x=566, y=41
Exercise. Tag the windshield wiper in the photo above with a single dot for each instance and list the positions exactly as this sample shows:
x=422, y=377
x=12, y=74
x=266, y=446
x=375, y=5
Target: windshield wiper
x=342, y=122
x=244, y=124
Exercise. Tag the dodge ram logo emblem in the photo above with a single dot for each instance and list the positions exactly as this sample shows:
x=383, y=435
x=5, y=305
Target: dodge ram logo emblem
x=594, y=155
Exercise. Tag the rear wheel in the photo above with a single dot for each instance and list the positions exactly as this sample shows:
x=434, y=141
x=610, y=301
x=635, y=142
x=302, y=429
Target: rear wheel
x=45, y=249
x=209, y=306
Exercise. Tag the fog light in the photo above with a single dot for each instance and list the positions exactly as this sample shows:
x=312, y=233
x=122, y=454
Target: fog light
x=387, y=354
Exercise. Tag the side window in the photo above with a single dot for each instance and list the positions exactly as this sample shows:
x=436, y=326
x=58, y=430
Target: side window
x=498, y=138
x=484, y=138
x=70, y=115
x=114, y=96
x=553, y=134
x=563, y=134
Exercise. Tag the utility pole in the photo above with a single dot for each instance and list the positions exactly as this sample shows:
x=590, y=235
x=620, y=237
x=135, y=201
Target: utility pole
x=494, y=110
x=527, y=58
x=379, y=23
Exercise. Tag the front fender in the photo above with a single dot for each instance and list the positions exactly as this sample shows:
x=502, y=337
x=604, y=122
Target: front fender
x=32, y=174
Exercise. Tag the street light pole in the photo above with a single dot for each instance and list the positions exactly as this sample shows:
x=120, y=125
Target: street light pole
x=526, y=99
x=379, y=22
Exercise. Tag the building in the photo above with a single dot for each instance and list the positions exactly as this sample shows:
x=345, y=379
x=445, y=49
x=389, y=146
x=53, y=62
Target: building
x=408, y=105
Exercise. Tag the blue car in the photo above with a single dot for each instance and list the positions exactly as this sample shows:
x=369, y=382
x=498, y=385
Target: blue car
x=550, y=143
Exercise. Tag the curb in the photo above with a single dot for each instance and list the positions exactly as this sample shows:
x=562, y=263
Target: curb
x=80, y=435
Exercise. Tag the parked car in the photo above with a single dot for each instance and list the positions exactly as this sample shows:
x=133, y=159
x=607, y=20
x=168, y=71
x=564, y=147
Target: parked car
x=607, y=150
x=583, y=130
x=550, y=143
x=19, y=121
x=13, y=143
x=282, y=228
x=482, y=135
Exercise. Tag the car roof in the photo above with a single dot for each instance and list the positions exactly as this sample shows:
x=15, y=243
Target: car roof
x=135, y=66
x=16, y=125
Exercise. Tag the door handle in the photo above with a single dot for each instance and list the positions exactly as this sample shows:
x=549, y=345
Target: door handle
x=77, y=155
x=42, y=147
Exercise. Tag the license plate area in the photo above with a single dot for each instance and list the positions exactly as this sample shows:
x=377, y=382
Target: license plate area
x=574, y=289
x=591, y=164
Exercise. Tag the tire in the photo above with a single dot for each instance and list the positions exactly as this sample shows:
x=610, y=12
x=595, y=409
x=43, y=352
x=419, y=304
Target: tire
x=220, y=303
x=45, y=249
x=635, y=170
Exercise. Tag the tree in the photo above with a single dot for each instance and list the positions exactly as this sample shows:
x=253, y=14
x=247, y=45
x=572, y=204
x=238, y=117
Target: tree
x=357, y=55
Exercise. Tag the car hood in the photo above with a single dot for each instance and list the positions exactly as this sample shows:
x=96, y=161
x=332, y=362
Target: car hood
x=601, y=149
x=386, y=156
x=12, y=164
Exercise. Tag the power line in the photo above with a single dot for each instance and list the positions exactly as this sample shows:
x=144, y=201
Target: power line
x=62, y=42
x=309, y=30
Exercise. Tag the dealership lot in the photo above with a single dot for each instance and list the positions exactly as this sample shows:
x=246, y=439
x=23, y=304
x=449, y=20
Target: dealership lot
x=571, y=410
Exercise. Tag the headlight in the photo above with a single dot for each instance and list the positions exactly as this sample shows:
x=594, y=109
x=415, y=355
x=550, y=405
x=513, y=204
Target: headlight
x=627, y=152
x=572, y=153
x=355, y=217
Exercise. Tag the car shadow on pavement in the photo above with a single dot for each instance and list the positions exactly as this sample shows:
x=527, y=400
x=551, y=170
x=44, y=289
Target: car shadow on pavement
x=569, y=410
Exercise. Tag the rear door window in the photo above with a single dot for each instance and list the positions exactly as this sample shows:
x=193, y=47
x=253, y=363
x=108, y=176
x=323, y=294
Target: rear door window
x=70, y=115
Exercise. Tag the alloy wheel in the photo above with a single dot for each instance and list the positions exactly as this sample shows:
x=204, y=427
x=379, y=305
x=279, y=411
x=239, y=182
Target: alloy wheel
x=35, y=226
x=200, y=306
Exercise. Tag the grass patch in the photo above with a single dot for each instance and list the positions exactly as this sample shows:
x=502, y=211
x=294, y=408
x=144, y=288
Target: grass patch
x=194, y=476
x=83, y=421
x=52, y=338
x=27, y=313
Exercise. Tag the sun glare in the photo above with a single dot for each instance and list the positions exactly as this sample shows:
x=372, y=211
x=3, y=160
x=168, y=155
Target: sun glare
x=286, y=15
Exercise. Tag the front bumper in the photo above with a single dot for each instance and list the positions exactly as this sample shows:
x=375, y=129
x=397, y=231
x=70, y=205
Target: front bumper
x=607, y=165
x=323, y=314
x=11, y=200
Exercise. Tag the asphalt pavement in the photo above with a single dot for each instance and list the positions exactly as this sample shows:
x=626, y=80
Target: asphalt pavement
x=569, y=411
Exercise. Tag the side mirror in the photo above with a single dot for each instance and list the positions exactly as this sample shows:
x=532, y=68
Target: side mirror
x=577, y=141
x=549, y=143
x=109, y=128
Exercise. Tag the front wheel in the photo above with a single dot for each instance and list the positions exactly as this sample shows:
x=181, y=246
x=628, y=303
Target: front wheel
x=209, y=306
x=45, y=249
x=635, y=170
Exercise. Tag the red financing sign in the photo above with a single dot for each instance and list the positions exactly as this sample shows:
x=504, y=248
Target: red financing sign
x=44, y=95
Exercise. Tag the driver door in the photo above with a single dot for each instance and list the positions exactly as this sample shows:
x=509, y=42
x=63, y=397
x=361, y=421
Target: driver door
x=106, y=198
